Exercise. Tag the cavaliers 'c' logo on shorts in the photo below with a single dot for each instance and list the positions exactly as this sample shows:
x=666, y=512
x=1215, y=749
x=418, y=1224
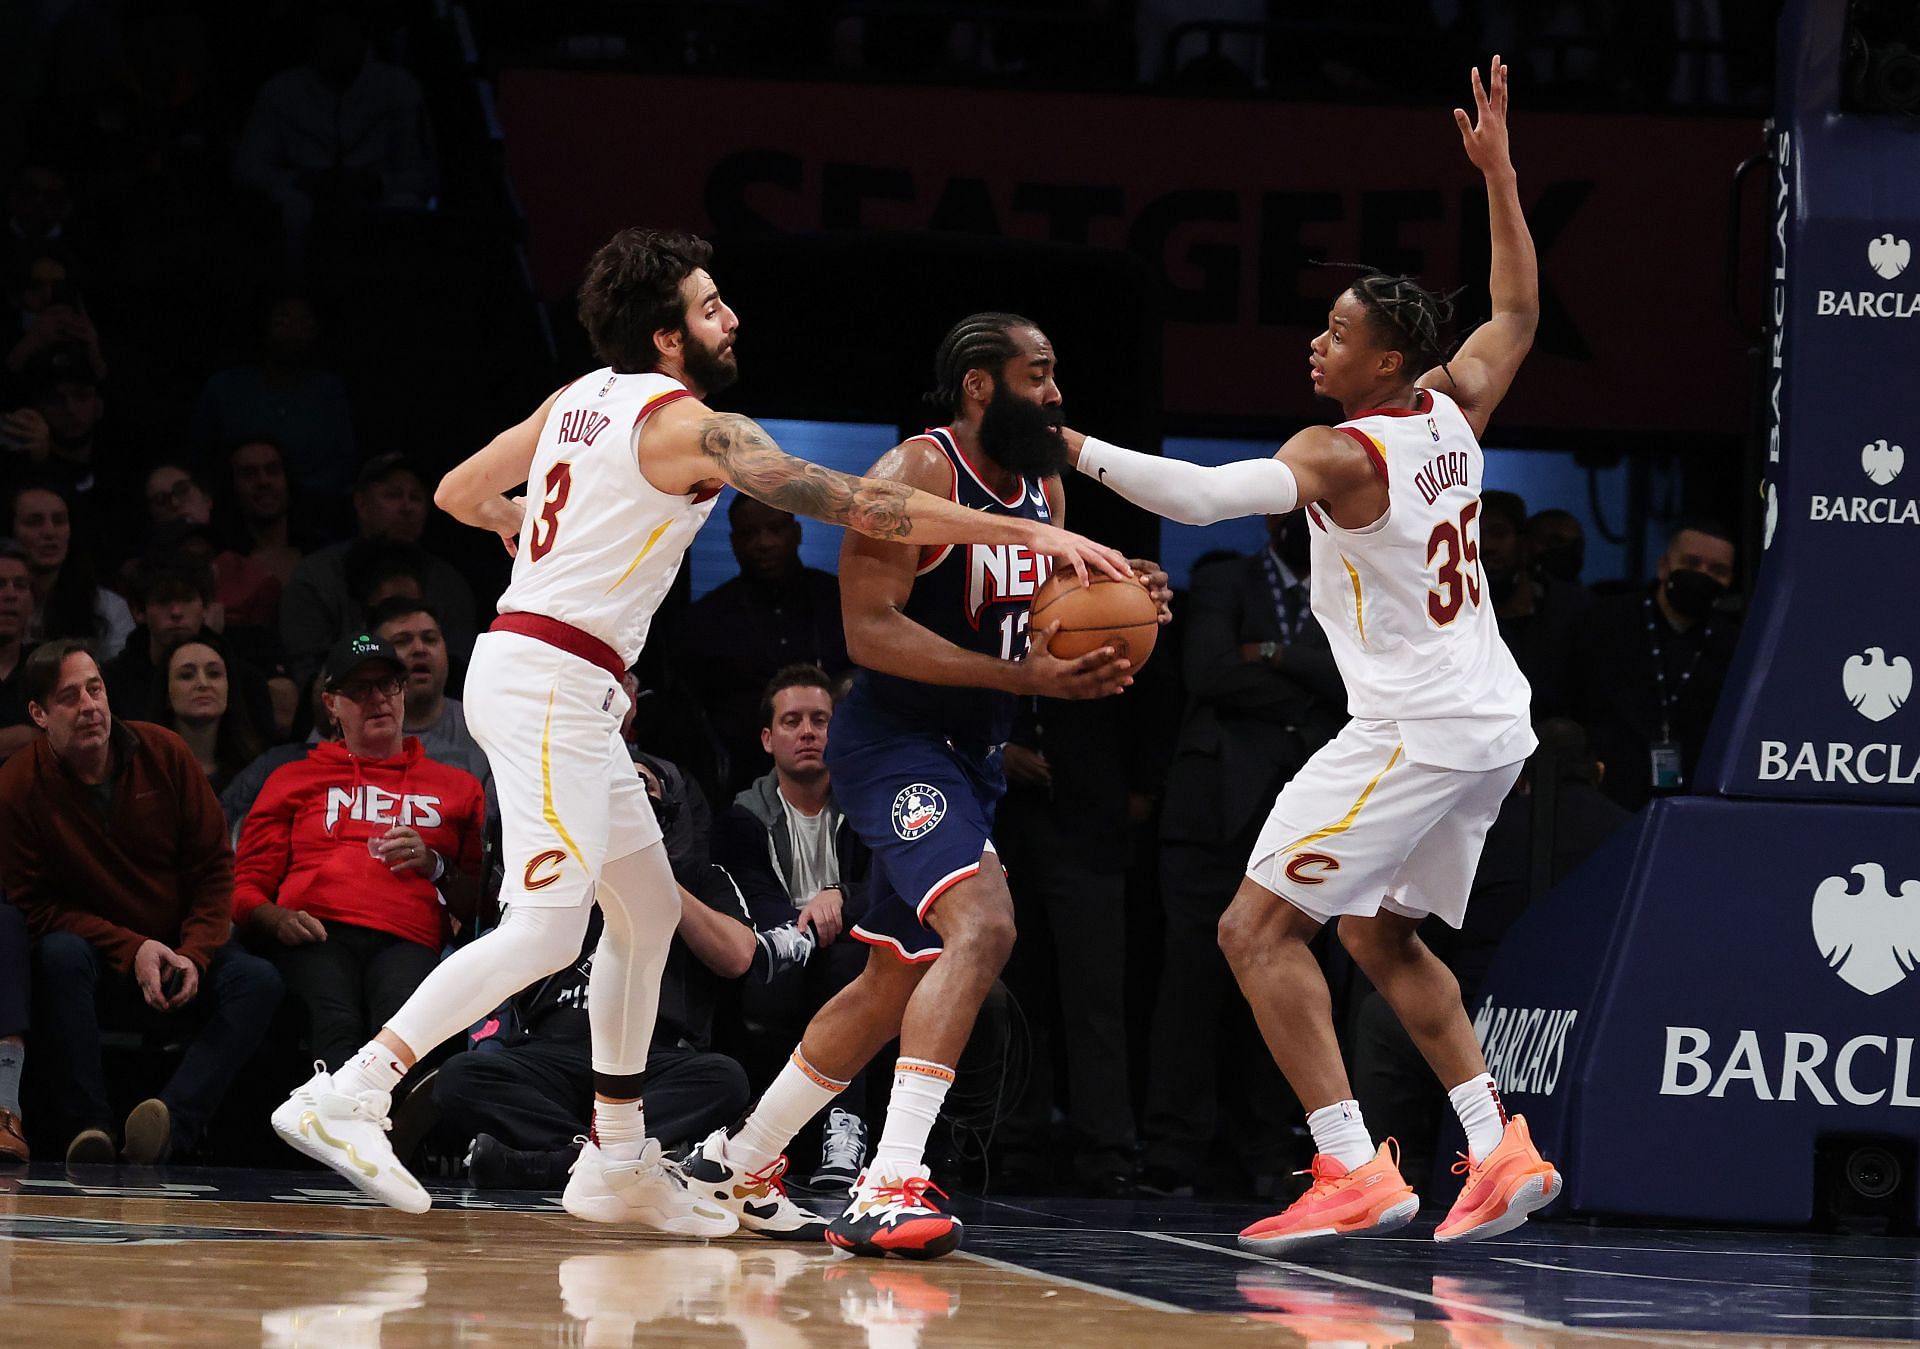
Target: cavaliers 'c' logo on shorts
x=917, y=810
x=1301, y=868
x=553, y=857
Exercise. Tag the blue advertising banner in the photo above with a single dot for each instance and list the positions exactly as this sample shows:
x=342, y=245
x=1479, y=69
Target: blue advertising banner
x=1817, y=704
x=1720, y=988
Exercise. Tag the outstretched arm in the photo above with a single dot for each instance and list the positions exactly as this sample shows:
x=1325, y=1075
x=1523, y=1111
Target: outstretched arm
x=1480, y=373
x=1317, y=464
x=729, y=448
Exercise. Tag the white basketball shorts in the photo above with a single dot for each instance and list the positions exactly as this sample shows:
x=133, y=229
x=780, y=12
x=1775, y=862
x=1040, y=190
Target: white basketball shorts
x=570, y=798
x=1361, y=829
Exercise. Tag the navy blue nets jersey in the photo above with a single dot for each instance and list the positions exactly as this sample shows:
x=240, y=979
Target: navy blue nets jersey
x=977, y=596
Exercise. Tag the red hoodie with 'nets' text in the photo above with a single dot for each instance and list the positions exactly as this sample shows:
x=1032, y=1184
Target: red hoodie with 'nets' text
x=304, y=843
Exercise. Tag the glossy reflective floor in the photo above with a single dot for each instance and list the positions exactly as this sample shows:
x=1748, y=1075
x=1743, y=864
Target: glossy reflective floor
x=106, y=1256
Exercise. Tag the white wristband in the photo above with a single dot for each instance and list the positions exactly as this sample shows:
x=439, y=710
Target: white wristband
x=439, y=866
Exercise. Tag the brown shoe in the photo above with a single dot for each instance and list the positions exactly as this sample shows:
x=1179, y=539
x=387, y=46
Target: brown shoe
x=149, y=1134
x=91, y=1147
x=13, y=1139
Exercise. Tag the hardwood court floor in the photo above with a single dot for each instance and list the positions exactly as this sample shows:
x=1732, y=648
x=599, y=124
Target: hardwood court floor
x=106, y=1256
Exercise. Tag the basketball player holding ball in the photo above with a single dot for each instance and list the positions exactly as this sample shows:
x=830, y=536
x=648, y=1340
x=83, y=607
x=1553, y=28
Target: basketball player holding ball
x=1385, y=824
x=941, y=636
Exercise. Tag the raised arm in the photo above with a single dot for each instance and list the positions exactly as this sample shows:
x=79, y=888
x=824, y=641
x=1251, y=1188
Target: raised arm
x=1480, y=373
x=686, y=446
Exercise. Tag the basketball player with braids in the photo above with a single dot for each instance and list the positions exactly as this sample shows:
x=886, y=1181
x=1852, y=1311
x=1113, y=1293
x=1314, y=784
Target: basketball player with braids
x=940, y=636
x=1384, y=825
x=624, y=465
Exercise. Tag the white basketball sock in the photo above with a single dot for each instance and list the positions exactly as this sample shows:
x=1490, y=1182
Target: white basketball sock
x=919, y=1090
x=1340, y=1133
x=374, y=1068
x=1482, y=1114
x=800, y=1092
x=619, y=1129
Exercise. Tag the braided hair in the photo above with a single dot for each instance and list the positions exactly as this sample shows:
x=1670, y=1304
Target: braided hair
x=1410, y=318
x=976, y=342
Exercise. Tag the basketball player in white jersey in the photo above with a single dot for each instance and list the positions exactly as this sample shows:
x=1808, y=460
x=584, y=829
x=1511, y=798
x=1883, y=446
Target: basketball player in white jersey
x=623, y=465
x=1385, y=824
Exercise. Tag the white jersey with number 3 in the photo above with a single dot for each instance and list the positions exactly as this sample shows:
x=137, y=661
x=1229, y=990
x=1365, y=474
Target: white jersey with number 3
x=600, y=545
x=1403, y=601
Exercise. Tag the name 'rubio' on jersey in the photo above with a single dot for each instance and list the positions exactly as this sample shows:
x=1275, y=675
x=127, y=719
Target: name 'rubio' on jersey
x=1403, y=601
x=600, y=545
x=976, y=595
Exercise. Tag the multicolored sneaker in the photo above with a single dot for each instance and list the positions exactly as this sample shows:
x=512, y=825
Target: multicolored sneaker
x=758, y=1199
x=1368, y=1201
x=1512, y=1181
x=890, y=1214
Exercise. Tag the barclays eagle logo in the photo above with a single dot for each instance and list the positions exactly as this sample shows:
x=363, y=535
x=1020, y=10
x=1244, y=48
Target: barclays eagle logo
x=1882, y=462
x=1877, y=687
x=1870, y=936
x=1889, y=256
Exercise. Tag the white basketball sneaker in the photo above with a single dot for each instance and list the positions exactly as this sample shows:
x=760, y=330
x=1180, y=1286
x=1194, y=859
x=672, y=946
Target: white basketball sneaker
x=757, y=1199
x=645, y=1191
x=349, y=1134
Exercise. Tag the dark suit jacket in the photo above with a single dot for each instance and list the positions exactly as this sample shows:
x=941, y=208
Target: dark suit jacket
x=1248, y=726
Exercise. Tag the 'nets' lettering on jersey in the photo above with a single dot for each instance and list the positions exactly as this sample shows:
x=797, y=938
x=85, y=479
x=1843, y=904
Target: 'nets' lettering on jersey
x=1002, y=571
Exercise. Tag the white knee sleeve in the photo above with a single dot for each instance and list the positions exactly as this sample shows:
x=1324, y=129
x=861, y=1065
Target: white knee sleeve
x=641, y=905
x=528, y=945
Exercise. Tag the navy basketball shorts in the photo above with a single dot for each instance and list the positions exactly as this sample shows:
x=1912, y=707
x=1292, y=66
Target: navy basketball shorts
x=925, y=809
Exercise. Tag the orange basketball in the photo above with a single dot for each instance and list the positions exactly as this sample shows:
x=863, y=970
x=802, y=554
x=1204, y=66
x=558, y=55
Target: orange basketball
x=1119, y=614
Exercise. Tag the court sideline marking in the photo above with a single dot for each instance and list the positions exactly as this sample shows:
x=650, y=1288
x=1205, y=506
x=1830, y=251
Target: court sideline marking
x=1450, y=1304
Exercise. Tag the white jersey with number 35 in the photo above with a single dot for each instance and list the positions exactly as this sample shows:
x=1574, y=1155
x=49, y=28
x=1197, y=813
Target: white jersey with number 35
x=1403, y=601
x=600, y=545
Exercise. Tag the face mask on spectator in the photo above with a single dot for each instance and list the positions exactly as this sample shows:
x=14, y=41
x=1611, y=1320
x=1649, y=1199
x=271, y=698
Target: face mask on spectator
x=1692, y=593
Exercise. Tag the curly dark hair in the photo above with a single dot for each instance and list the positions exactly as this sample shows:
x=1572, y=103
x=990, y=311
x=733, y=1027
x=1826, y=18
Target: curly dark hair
x=976, y=342
x=632, y=291
x=1408, y=317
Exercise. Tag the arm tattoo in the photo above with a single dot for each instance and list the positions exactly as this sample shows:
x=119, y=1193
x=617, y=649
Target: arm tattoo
x=746, y=456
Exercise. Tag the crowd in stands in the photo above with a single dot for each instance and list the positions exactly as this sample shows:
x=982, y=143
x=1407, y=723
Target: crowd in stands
x=241, y=815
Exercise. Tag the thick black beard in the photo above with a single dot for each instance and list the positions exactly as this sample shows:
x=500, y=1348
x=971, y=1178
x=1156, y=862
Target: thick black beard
x=708, y=371
x=1023, y=437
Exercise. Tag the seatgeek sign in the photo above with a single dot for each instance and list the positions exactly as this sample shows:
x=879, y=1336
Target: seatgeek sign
x=1818, y=704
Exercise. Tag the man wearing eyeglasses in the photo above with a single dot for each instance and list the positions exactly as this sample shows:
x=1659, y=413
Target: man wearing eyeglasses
x=356, y=862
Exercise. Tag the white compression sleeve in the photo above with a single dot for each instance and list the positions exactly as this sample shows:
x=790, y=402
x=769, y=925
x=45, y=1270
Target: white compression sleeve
x=1192, y=494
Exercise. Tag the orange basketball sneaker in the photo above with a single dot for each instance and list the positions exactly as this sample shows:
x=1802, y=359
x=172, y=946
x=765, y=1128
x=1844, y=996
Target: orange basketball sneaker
x=1502, y=1190
x=1366, y=1202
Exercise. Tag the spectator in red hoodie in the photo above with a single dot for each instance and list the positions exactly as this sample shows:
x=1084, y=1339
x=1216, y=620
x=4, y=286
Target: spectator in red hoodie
x=113, y=845
x=354, y=859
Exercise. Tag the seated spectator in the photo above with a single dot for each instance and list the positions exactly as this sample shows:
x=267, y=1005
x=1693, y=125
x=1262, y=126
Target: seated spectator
x=799, y=862
x=410, y=627
x=284, y=396
x=63, y=386
x=339, y=134
x=1650, y=666
x=319, y=606
x=1391, y=1079
x=257, y=476
x=1557, y=545
x=39, y=209
x=1538, y=614
x=196, y=700
x=526, y=1090
x=16, y=984
x=112, y=844
x=48, y=315
x=66, y=601
x=774, y=614
x=355, y=858
x=17, y=730
x=179, y=515
x=175, y=595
